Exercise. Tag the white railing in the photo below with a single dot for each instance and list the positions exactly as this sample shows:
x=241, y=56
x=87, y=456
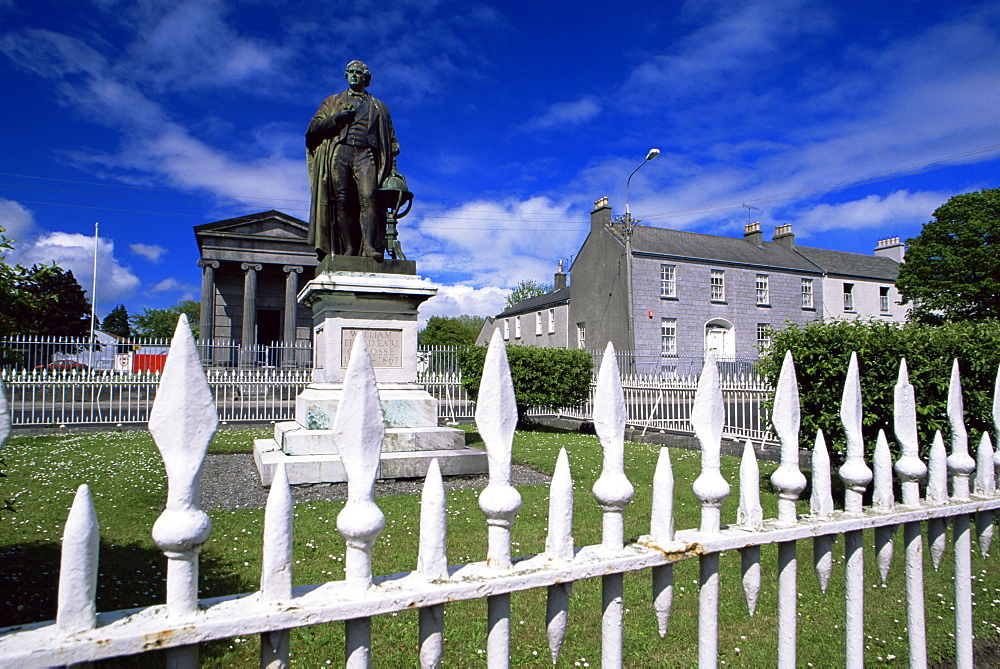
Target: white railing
x=184, y=420
x=655, y=402
x=135, y=354
x=43, y=397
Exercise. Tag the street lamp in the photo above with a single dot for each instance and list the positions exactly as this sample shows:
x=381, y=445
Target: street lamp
x=628, y=214
x=628, y=221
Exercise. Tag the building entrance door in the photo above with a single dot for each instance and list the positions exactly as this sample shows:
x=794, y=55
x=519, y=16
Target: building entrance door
x=268, y=332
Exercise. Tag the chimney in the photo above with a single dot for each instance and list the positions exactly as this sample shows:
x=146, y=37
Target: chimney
x=752, y=234
x=891, y=248
x=784, y=236
x=601, y=216
x=560, y=280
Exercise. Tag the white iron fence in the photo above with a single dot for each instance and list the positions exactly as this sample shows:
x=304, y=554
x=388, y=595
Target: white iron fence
x=43, y=397
x=142, y=354
x=184, y=420
x=74, y=397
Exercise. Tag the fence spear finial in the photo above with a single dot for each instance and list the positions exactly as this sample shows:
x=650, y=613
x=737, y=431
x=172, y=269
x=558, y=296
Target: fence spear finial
x=707, y=418
x=496, y=419
x=788, y=478
x=358, y=431
x=909, y=468
x=854, y=472
x=960, y=463
x=183, y=421
x=612, y=490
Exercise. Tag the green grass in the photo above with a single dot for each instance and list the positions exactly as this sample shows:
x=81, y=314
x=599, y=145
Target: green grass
x=126, y=478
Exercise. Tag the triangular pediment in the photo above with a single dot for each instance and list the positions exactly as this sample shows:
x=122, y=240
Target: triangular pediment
x=270, y=224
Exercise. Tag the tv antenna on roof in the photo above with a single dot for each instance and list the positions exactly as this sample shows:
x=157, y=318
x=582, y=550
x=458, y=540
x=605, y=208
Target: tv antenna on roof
x=749, y=209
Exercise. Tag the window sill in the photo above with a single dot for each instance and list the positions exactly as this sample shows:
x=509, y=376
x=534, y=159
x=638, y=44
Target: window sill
x=718, y=302
x=668, y=297
x=763, y=306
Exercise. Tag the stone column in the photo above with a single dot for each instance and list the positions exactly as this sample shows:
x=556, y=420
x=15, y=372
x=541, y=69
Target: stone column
x=291, y=311
x=206, y=319
x=249, y=333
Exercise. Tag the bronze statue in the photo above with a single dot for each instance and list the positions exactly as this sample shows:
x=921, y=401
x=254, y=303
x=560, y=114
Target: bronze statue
x=351, y=148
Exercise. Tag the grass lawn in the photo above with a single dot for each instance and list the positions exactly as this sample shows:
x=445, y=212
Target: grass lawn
x=128, y=484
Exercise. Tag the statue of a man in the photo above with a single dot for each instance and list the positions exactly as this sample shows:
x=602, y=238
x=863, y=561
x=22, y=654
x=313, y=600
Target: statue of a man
x=351, y=148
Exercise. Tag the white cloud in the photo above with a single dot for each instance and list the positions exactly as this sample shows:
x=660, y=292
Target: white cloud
x=563, y=114
x=115, y=282
x=899, y=209
x=151, y=252
x=18, y=221
x=172, y=285
x=459, y=300
x=492, y=243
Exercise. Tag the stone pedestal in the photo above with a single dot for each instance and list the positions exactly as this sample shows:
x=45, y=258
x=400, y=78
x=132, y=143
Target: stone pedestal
x=348, y=300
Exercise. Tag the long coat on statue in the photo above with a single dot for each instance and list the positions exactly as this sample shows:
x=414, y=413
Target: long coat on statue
x=326, y=234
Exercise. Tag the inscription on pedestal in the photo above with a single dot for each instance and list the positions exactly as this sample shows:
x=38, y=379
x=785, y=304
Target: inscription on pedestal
x=384, y=346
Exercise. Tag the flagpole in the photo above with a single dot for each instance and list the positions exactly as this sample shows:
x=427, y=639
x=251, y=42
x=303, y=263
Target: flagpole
x=93, y=305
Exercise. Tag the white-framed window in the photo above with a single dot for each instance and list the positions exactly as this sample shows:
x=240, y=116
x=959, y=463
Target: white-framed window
x=807, y=293
x=668, y=281
x=763, y=336
x=506, y=328
x=848, y=297
x=552, y=321
x=517, y=327
x=668, y=337
x=883, y=299
x=763, y=289
x=538, y=323
x=718, y=285
x=581, y=335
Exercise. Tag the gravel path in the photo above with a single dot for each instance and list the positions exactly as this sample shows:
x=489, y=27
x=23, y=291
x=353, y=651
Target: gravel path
x=231, y=481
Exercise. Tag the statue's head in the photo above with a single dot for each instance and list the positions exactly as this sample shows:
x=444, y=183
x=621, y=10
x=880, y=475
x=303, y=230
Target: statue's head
x=357, y=73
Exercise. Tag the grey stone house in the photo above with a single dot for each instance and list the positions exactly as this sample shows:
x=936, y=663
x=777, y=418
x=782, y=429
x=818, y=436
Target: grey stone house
x=539, y=321
x=674, y=295
x=253, y=267
x=669, y=296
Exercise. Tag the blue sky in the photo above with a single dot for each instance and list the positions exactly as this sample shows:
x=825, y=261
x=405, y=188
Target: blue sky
x=851, y=121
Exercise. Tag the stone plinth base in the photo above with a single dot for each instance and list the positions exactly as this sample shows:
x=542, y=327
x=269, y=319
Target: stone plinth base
x=403, y=405
x=377, y=301
x=329, y=468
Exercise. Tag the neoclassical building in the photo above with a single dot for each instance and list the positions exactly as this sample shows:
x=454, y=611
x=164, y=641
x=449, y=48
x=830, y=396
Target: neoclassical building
x=253, y=267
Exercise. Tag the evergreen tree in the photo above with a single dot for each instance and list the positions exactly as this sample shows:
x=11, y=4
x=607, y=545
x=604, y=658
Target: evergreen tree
x=68, y=315
x=117, y=322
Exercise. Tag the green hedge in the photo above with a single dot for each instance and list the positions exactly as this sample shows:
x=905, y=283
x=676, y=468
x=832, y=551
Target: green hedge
x=542, y=377
x=822, y=353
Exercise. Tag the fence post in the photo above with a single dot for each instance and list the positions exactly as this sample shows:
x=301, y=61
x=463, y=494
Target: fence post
x=613, y=492
x=358, y=431
x=496, y=418
x=711, y=489
x=183, y=422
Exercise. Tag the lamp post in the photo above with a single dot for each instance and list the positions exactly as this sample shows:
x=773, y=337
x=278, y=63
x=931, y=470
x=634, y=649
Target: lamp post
x=628, y=214
x=629, y=221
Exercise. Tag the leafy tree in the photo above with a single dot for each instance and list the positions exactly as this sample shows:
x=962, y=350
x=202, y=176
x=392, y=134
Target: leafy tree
x=525, y=290
x=43, y=300
x=117, y=322
x=822, y=351
x=952, y=268
x=542, y=377
x=450, y=331
x=160, y=323
x=68, y=314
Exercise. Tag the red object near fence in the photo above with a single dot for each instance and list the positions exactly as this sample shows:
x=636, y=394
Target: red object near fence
x=148, y=362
